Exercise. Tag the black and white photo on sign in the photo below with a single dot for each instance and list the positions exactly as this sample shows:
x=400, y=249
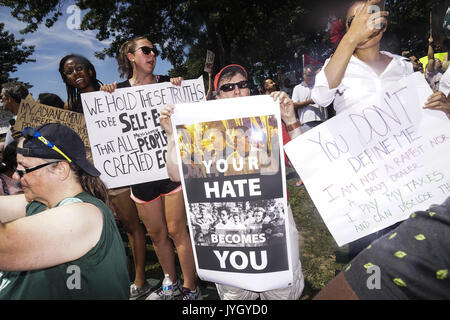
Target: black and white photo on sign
x=238, y=224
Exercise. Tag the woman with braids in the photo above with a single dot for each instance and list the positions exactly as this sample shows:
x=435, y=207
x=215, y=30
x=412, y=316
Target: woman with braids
x=160, y=204
x=59, y=239
x=79, y=75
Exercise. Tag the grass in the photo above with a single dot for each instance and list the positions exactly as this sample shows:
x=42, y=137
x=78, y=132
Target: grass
x=319, y=254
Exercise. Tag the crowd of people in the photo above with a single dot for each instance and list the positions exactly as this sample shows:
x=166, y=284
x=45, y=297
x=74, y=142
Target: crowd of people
x=56, y=215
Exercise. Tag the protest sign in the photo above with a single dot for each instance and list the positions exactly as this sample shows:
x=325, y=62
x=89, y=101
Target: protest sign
x=209, y=63
x=34, y=114
x=235, y=191
x=127, y=141
x=376, y=163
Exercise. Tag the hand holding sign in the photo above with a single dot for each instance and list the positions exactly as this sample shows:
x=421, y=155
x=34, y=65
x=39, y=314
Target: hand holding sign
x=129, y=145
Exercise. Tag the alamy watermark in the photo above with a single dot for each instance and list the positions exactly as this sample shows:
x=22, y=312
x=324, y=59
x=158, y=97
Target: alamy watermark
x=374, y=281
x=73, y=22
x=74, y=280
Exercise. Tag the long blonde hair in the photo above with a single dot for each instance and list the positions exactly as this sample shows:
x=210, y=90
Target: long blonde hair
x=125, y=66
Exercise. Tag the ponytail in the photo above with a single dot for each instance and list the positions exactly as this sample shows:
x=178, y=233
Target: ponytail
x=125, y=66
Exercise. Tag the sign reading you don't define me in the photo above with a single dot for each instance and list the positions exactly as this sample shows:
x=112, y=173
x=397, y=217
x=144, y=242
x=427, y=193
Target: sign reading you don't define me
x=376, y=163
x=128, y=143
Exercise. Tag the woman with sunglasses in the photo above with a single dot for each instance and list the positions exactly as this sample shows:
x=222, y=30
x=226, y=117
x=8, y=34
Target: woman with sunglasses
x=160, y=204
x=79, y=75
x=59, y=239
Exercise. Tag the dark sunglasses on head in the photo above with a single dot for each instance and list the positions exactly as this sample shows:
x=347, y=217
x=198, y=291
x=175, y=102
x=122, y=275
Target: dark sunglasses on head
x=147, y=50
x=230, y=86
x=78, y=68
x=21, y=173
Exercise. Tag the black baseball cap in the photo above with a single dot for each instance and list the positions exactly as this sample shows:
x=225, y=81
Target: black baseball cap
x=62, y=137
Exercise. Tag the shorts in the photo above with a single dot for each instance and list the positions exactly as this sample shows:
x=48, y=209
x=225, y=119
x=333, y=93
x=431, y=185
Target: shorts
x=150, y=191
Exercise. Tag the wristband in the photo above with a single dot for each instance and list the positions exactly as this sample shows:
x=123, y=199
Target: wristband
x=293, y=126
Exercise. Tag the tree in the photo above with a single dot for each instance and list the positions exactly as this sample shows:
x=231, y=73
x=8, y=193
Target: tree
x=263, y=35
x=12, y=54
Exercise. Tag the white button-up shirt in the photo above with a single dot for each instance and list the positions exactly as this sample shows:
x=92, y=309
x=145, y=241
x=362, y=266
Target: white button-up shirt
x=359, y=83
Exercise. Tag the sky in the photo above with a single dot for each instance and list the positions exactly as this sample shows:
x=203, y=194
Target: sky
x=52, y=44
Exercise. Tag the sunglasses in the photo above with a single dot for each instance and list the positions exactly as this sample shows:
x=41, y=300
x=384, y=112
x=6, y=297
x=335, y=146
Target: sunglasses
x=77, y=68
x=21, y=173
x=230, y=86
x=30, y=133
x=147, y=50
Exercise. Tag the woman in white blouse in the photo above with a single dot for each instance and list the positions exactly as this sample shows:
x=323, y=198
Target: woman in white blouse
x=358, y=69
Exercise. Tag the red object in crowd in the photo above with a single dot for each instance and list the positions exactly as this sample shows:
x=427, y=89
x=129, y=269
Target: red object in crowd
x=308, y=60
x=337, y=31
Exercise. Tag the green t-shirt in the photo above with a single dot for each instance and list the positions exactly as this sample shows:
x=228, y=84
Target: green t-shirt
x=100, y=274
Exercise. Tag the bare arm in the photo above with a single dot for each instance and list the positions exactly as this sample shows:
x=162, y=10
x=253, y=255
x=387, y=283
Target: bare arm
x=303, y=104
x=12, y=207
x=362, y=27
x=49, y=238
x=431, y=60
x=172, y=159
x=287, y=113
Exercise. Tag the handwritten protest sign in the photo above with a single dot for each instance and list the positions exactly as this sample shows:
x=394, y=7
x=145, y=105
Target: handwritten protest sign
x=33, y=114
x=375, y=164
x=127, y=141
x=209, y=63
x=234, y=189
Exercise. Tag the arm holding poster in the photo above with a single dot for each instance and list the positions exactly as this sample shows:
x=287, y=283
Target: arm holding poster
x=293, y=125
x=172, y=160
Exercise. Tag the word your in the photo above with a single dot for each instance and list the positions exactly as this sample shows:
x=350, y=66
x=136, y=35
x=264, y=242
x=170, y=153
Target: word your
x=226, y=143
x=222, y=165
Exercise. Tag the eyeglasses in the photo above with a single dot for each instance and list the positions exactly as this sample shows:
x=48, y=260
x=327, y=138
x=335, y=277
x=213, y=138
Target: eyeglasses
x=147, y=50
x=230, y=86
x=77, y=68
x=29, y=133
x=21, y=173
